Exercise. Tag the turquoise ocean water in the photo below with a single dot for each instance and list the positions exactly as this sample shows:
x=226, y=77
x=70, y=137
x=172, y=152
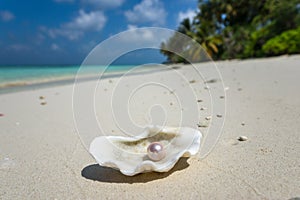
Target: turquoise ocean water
x=18, y=78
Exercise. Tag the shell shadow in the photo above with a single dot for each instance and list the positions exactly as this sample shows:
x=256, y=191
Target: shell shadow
x=96, y=172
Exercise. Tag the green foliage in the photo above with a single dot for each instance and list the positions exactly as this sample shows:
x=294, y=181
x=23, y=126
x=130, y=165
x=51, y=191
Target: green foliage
x=229, y=29
x=286, y=43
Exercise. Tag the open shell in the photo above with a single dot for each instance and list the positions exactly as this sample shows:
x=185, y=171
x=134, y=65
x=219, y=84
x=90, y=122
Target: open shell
x=129, y=154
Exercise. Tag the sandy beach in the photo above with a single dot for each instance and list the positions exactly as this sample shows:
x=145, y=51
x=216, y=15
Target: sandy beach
x=42, y=156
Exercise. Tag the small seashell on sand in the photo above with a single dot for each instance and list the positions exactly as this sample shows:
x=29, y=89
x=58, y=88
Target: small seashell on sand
x=242, y=138
x=203, y=124
x=211, y=81
x=208, y=118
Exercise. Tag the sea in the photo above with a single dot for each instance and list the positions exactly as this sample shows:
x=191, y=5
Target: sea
x=19, y=78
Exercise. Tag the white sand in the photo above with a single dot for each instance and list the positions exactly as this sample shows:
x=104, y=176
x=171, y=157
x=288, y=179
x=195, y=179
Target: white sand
x=42, y=157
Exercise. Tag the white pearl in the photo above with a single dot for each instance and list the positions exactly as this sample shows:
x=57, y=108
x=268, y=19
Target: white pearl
x=156, y=151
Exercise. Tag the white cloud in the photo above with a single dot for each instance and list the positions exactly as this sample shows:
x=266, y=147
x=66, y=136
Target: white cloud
x=6, y=16
x=70, y=34
x=190, y=14
x=88, y=21
x=103, y=3
x=147, y=36
x=55, y=47
x=147, y=11
x=85, y=22
x=137, y=35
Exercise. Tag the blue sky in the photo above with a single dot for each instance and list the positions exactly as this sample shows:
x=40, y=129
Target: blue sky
x=65, y=31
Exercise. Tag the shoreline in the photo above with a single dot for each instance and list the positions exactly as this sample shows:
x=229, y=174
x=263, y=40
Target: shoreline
x=26, y=85
x=40, y=83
